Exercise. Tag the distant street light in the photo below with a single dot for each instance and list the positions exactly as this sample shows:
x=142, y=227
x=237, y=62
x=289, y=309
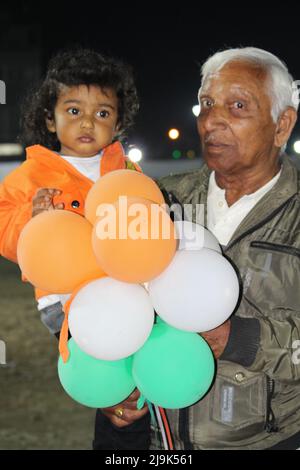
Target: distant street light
x=297, y=146
x=176, y=154
x=191, y=153
x=196, y=110
x=173, y=134
x=8, y=149
x=135, y=154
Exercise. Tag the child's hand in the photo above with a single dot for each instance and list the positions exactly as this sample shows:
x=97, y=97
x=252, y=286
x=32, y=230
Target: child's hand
x=43, y=200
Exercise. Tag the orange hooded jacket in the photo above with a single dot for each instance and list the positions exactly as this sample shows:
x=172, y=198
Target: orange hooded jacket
x=43, y=168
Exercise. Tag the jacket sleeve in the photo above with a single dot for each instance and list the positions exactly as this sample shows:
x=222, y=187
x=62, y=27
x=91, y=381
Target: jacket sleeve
x=135, y=436
x=15, y=212
x=266, y=344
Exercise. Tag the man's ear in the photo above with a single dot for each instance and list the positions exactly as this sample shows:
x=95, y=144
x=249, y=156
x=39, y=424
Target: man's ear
x=284, y=127
x=50, y=122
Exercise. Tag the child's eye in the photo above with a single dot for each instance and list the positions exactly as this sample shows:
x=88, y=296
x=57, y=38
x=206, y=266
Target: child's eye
x=103, y=113
x=73, y=111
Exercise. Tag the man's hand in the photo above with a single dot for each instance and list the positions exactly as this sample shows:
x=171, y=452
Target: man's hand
x=43, y=201
x=218, y=338
x=126, y=412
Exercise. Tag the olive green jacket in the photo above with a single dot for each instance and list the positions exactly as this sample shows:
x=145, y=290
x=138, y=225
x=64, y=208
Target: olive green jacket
x=255, y=399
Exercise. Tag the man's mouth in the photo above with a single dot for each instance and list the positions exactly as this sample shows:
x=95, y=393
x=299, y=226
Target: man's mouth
x=215, y=147
x=213, y=144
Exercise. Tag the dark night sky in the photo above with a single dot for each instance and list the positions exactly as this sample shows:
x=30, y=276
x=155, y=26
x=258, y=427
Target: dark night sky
x=165, y=47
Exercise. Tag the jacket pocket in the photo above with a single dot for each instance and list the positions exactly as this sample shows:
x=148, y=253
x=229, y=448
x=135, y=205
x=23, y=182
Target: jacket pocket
x=277, y=248
x=241, y=401
x=238, y=411
x=270, y=275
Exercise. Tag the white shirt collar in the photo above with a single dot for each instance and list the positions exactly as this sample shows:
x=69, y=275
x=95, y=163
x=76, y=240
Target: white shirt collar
x=223, y=220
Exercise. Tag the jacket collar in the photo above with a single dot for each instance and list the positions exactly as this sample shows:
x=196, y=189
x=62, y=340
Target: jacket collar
x=285, y=188
x=113, y=157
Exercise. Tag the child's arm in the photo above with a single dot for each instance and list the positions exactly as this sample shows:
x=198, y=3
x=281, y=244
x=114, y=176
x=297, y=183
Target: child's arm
x=15, y=212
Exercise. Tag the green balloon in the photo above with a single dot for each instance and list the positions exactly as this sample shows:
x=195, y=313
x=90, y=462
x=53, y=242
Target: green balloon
x=174, y=368
x=93, y=382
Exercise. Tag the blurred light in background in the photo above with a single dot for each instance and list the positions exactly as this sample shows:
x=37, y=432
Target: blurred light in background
x=191, y=153
x=176, y=154
x=135, y=154
x=196, y=110
x=297, y=146
x=173, y=134
x=7, y=150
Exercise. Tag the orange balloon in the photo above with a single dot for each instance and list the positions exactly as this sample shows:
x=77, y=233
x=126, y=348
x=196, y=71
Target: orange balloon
x=134, y=243
x=120, y=183
x=55, y=252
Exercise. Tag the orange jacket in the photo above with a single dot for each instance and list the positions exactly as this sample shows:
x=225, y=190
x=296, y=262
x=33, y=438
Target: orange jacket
x=43, y=168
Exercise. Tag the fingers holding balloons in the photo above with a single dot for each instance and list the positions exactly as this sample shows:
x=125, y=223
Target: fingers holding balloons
x=126, y=412
x=43, y=200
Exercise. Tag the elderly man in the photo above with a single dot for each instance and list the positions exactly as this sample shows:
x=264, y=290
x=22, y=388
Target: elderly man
x=250, y=190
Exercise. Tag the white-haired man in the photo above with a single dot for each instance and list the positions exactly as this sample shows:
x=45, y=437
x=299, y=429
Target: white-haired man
x=248, y=108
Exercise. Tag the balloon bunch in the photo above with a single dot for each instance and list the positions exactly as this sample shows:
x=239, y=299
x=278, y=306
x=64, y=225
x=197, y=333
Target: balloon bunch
x=119, y=265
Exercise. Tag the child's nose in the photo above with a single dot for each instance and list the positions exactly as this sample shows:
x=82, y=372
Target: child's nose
x=87, y=122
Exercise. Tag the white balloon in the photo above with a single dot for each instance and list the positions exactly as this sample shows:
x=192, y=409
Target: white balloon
x=197, y=292
x=110, y=319
x=193, y=236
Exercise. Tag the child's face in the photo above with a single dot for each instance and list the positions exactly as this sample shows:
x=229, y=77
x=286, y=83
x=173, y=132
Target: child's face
x=85, y=119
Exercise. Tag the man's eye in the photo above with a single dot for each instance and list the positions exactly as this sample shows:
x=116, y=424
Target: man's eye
x=206, y=103
x=103, y=113
x=73, y=111
x=238, y=105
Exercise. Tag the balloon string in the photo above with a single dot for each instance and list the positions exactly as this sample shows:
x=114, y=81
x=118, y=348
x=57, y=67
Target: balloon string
x=161, y=428
x=63, y=337
x=167, y=428
x=150, y=406
x=160, y=419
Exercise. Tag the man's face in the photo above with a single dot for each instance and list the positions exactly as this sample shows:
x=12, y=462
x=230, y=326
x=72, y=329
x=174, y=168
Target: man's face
x=85, y=119
x=235, y=123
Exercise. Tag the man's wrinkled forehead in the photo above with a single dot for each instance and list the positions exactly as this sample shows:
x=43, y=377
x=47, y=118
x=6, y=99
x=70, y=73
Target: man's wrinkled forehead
x=241, y=76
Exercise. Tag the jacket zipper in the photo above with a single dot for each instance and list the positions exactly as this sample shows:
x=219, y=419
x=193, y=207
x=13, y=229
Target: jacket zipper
x=171, y=199
x=270, y=424
x=290, y=250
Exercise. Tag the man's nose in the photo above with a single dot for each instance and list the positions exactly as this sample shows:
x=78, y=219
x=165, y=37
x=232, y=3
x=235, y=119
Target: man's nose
x=212, y=119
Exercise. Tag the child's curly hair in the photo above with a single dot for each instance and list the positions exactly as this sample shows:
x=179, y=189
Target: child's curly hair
x=73, y=68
